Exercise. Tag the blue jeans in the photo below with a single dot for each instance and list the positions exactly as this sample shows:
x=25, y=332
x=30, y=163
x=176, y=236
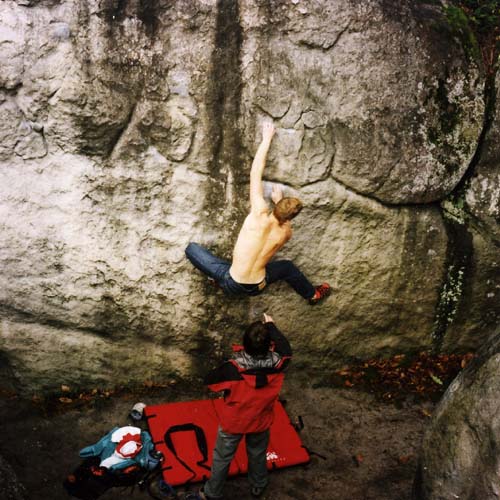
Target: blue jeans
x=218, y=269
x=225, y=448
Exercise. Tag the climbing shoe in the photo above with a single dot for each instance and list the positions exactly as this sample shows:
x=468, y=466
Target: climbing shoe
x=321, y=291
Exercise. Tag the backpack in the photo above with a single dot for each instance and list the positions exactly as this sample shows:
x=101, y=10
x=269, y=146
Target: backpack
x=90, y=480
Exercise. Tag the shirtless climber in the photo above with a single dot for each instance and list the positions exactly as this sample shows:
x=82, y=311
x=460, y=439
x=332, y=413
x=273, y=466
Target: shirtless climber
x=263, y=233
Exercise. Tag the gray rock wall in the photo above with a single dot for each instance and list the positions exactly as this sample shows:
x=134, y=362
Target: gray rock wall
x=459, y=456
x=128, y=128
x=476, y=207
x=483, y=193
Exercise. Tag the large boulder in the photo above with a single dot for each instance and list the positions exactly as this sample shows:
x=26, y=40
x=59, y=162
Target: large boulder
x=459, y=457
x=483, y=193
x=476, y=208
x=379, y=95
x=127, y=130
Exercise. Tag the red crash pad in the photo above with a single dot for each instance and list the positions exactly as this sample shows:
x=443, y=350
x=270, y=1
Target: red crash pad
x=186, y=432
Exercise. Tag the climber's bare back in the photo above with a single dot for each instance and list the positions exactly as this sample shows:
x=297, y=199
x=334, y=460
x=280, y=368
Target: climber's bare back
x=261, y=236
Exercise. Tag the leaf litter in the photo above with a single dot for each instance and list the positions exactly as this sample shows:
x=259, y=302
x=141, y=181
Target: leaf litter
x=424, y=375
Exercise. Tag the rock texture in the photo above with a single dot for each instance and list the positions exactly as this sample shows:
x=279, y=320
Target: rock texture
x=128, y=128
x=460, y=450
x=378, y=96
x=475, y=209
x=483, y=193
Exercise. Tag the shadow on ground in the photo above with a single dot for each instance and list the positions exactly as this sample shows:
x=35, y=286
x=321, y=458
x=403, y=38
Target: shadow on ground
x=370, y=447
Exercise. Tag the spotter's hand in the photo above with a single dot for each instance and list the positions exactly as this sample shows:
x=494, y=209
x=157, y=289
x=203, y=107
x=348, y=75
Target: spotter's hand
x=267, y=318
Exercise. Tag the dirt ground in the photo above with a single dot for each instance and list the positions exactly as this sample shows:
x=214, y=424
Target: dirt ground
x=370, y=447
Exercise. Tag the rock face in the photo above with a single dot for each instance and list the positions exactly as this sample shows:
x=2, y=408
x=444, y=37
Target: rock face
x=483, y=194
x=338, y=77
x=476, y=208
x=128, y=129
x=460, y=450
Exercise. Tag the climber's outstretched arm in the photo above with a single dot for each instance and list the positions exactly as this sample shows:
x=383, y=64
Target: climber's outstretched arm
x=257, y=202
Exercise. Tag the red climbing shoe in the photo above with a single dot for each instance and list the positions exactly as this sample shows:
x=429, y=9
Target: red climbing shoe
x=321, y=292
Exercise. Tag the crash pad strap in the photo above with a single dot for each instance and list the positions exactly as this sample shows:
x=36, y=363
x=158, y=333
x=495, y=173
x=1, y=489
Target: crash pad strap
x=186, y=433
x=201, y=442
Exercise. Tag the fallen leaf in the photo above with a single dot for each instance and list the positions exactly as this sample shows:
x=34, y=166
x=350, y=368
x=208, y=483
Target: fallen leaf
x=65, y=400
x=160, y=385
x=423, y=374
x=426, y=412
x=465, y=360
x=404, y=459
x=65, y=388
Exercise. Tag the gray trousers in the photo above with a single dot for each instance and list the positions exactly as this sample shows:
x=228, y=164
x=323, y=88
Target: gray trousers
x=224, y=451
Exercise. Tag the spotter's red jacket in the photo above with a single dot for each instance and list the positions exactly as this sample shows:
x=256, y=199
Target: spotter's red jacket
x=251, y=385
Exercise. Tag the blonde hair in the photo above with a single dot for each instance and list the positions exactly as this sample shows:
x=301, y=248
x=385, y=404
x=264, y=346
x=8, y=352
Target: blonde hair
x=287, y=208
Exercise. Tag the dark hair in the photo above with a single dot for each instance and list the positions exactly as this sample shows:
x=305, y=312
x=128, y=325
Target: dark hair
x=256, y=339
x=287, y=208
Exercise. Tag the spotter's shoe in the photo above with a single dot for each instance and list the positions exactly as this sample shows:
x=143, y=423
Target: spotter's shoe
x=257, y=492
x=321, y=291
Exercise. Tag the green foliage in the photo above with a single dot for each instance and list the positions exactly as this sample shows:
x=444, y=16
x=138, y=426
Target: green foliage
x=459, y=23
x=483, y=14
x=481, y=20
x=436, y=379
x=454, y=209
